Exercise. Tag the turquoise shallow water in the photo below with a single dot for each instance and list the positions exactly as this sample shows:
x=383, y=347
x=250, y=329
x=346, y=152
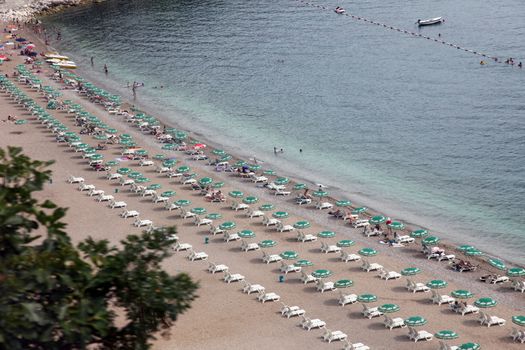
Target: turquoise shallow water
x=416, y=129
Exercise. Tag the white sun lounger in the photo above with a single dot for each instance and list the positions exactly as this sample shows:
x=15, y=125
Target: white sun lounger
x=309, y=324
x=114, y=176
x=159, y=199
x=249, y=246
x=182, y=246
x=302, y=237
x=215, y=230
x=105, y=198
x=85, y=187
x=489, y=320
x=330, y=336
x=254, y=213
x=249, y=288
x=284, y=228
x=419, y=335
x=117, y=204
x=144, y=162
x=345, y=299
x=141, y=223
x=163, y=169
x=441, y=299
x=75, y=179
x=270, y=258
x=324, y=205
x=518, y=286
x=307, y=278
x=445, y=346
x=291, y=311
x=197, y=255
x=239, y=206
x=129, y=214
x=323, y=286
x=326, y=248
x=396, y=322
x=126, y=182
x=171, y=206
x=416, y=286
x=405, y=239
x=282, y=193
x=257, y=179
x=346, y=257
x=264, y=297
x=388, y=275
x=469, y=309
x=370, y=312
x=285, y=268
x=231, y=237
x=360, y=223
x=94, y=192
x=355, y=346
x=232, y=277
x=148, y=193
x=185, y=214
x=202, y=221
x=214, y=268
x=267, y=221
x=188, y=181
x=367, y=266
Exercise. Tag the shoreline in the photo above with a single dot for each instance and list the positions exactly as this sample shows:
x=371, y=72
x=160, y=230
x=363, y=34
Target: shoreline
x=29, y=10
x=227, y=323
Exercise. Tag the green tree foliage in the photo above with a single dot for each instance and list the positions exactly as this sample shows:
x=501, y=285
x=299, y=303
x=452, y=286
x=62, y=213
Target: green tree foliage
x=54, y=295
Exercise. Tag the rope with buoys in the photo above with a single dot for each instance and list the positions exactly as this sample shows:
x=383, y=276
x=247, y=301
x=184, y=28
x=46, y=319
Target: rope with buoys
x=509, y=61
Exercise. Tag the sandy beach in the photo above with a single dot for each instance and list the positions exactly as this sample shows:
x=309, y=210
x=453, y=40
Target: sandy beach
x=223, y=316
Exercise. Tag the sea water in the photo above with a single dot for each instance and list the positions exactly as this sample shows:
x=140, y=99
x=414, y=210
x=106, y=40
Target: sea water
x=416, y=129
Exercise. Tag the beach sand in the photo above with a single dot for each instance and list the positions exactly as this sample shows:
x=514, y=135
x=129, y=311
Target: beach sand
x=222, y=316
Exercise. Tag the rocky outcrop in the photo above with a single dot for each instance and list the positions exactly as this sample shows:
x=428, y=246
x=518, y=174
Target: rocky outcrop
x=27, y=10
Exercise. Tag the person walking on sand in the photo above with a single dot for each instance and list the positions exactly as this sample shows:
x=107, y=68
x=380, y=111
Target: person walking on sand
x=106, y=69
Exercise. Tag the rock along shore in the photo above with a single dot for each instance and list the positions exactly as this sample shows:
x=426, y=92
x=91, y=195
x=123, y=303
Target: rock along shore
x=27, y=10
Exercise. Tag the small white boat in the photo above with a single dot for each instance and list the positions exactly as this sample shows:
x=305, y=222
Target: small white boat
x=428, y=22
x=67, y=64
x=56, y=56
x=339, y=10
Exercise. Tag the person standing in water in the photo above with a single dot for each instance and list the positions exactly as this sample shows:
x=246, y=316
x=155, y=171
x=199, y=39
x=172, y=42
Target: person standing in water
x=92, y=61
x=106, y=69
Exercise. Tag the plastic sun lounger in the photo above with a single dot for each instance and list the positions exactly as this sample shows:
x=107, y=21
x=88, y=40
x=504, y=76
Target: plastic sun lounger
x=291, y=311
x=232, y=277
x=74, y=179
x=264, y=297
x=117, y=204
x=140, y=223
x=307, y=278
x=214, y=268
x=301, y=237
x=271, y=258
x=84, y=187
x=309, y=324
x=115, y=176
x=346, y=257
x=129, y=214
x=249, y=288
x=367, y=266
x=345, y=299
x=388, y=275
x=396, y=322
x=94, y=192
x=182, y=246
x=249, y=246
x=197, y=255
x=323, y=286
x=355, y=346
x=330, y=336
x=285, y=268
x=105, y=198
x=231, y=237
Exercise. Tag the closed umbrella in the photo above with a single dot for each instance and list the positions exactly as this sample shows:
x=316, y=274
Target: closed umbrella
x=345, y=243
x=437, y=284
x=280, y=214
x=343, y=203
x=267, y=243
x=516, y=272
x=485, y=302
x=519, y=320
x=326, y=234
x=198, y=211
x=303, y=263
x=388, y=308
x=343, y=283
x=368, y=252
x=289, y=255
x=500, y=265
x=359, y=210
x=250, y=200
x=367, y=298
x=183, y=202
x=410, y=271
x=267, y=207
x=446, y=335
x=378, y=219
x=246, y=234
x=301, y=225
x=462, y=294
x=414, y=321
x=430, y=240
x=321, y=273
x=228, y=225
x=419, y=233
x=214, y=216
x=469, y=346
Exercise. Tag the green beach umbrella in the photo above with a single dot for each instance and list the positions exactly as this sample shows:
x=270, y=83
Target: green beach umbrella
x=516, y=272
x=280, y=214
x=389, y=308
x=473, y=252
x=225, y=158
x=218, y=152
x=235, y=194
x=153, y=187
x=301, y=225
x=246, y=234
x=183, y=169
x=134, y=174
x=111, y=131
x=396, y=225
x=228, y=225
x=214, y=216
x=430, y=240
x=267, y=243
x=465, y=247
x=180, y=135
x=141, y=152
x=81, y=146
x=267, y=207
x=112, y=163
x=168, y=162
x=183, y=202
x=359, y=210
x=368, y=252
x=378, y=219
x=239, y=164
x=500, y=265
x=198, y=211
x=254, y=167
x=462, y=294
x=96, y=156
x=250, y=200
x=289, y=255
x=281, y=181
x=419, y=233
x=326, y=234
x=485, y=302
x=343, y=283
x=320, y=193
x=100, y=137
x=414, y=321
x=367, y=298
x=218, y=185
x=21, y=122
x=345, y=243
x=205, y=181
x=469, y=346
x=269, y=172
x=437, y=284
x=446, y=335
x=303, y=263
x=410, y=271
x=298, y=187
x=168, y=147
x=321, y=273
x=142, y=180
x=167, y=194
x=519, y=320
x=343, y=203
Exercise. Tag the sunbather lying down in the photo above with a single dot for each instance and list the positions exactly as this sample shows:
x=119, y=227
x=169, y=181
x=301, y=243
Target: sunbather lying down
x=392, y=243
x=337, y=213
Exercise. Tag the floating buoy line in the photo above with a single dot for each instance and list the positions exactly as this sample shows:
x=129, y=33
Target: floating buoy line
x=496, y=59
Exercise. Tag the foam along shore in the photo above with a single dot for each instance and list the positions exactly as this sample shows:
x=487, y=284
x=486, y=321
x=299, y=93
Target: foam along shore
x=222, y=311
